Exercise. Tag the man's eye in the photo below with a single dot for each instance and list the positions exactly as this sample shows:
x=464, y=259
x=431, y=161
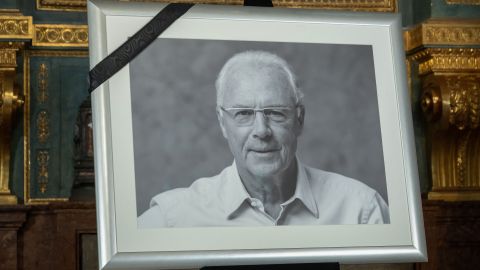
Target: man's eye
x=274, y=113
x=244, y=113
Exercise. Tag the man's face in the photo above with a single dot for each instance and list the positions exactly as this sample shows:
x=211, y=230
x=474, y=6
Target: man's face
x=265, y=148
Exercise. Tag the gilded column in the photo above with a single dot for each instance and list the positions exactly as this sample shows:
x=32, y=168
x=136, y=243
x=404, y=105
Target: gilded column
x=10, y=101
x=446, y=59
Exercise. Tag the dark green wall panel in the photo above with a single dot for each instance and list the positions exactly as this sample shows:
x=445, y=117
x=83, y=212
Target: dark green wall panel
x=440, y=9
x=9, y=4
x=66, y=89
x=414, y=11
x=29, y=8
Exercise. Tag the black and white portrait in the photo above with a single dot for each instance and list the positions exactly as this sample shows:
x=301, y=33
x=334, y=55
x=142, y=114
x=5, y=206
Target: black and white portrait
x=238, y=133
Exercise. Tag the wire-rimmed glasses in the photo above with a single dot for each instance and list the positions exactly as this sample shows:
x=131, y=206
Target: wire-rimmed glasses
x=246, y=116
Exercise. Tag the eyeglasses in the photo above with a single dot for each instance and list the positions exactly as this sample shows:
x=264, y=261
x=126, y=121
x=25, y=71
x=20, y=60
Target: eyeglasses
x=246, y=116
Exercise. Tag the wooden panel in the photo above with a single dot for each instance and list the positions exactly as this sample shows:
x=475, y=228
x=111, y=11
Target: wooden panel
x=54, y=236
x=45, y=237
x=11, y=219
x=453, y=241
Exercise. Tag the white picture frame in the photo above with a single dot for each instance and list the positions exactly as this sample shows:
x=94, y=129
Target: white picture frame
x=123, y=245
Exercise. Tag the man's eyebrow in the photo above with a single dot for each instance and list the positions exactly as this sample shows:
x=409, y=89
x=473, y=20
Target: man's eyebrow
x=240, y=106
x=268, y=106
x=275, y=105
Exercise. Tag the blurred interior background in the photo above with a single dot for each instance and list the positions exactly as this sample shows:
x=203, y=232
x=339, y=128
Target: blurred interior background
x=47, y=197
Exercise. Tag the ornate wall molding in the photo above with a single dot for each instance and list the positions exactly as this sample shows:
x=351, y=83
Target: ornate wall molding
x=444, y=54
x=464, y=111
x=8, y=58
x=42, y=83
x=60, y=35
x=7, y=108
x=443, y=60
x=447, y=60
x=454, y=162
x=451, y=103
x=43, y=127
x=30, y=158
x=453, y=110
x=357, y=5
x=443, y=32
x=8, y=54
x=43, y=158
x=16, y=27
x=10, y=102
x=62, y=5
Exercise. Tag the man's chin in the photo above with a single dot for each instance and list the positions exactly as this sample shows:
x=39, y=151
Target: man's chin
x=264, y=170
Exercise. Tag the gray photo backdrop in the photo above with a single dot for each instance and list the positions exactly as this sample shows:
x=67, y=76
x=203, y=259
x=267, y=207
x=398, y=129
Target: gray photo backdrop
x=176, y=135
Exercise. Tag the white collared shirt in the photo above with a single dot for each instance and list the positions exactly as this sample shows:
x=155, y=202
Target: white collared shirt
x=320, y=198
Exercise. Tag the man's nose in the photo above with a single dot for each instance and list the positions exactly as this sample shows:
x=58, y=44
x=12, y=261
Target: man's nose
x=261, y=129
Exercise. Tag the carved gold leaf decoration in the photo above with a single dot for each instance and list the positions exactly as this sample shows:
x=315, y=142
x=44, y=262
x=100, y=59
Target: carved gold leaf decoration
x=461, y=158
x=431, y=100
x=358, y=5
x=42, y=162
x=451, y=34
x=8, y=53
x=454, y=164
x=464, y=101
x=458, y=106
x=30, y=158
x=42, y=83
x=42, y=127
x=412, y=38
x=447, y=60
x=474, y=100
x=16, y=27
x=443, y=32
x=62, y=5
x=61, y=35
x=8, y=58
x=361, y=5
x=452, y=101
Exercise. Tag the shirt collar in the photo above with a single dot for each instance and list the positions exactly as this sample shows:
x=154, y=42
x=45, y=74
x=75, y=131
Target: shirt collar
x=303, y=190
x=234, y=193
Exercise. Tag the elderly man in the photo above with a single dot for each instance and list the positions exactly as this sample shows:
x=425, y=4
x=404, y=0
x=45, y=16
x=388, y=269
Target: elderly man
x=261, y=115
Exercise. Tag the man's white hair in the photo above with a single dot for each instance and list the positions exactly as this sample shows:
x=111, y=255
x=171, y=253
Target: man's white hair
x=255, y=59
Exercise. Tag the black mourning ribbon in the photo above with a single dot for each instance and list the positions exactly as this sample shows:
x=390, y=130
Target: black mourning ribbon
x=136, y=44
x=258, y=3
x=141, y=39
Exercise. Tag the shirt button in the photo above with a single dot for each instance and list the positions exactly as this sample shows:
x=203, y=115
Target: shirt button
x=254, y=204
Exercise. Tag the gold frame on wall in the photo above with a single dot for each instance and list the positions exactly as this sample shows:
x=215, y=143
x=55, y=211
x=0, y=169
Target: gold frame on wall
x=62, y=5
x=26, y=119
x=358, y=5
x=16, y=27
x=459, y=32
x=60, y=35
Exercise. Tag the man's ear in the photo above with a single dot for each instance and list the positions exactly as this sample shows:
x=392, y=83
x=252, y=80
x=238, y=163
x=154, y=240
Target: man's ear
x=220, y=121
x=300, y=118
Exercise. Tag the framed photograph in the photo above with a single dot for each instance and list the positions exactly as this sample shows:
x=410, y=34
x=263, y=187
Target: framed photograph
x=249, y=135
